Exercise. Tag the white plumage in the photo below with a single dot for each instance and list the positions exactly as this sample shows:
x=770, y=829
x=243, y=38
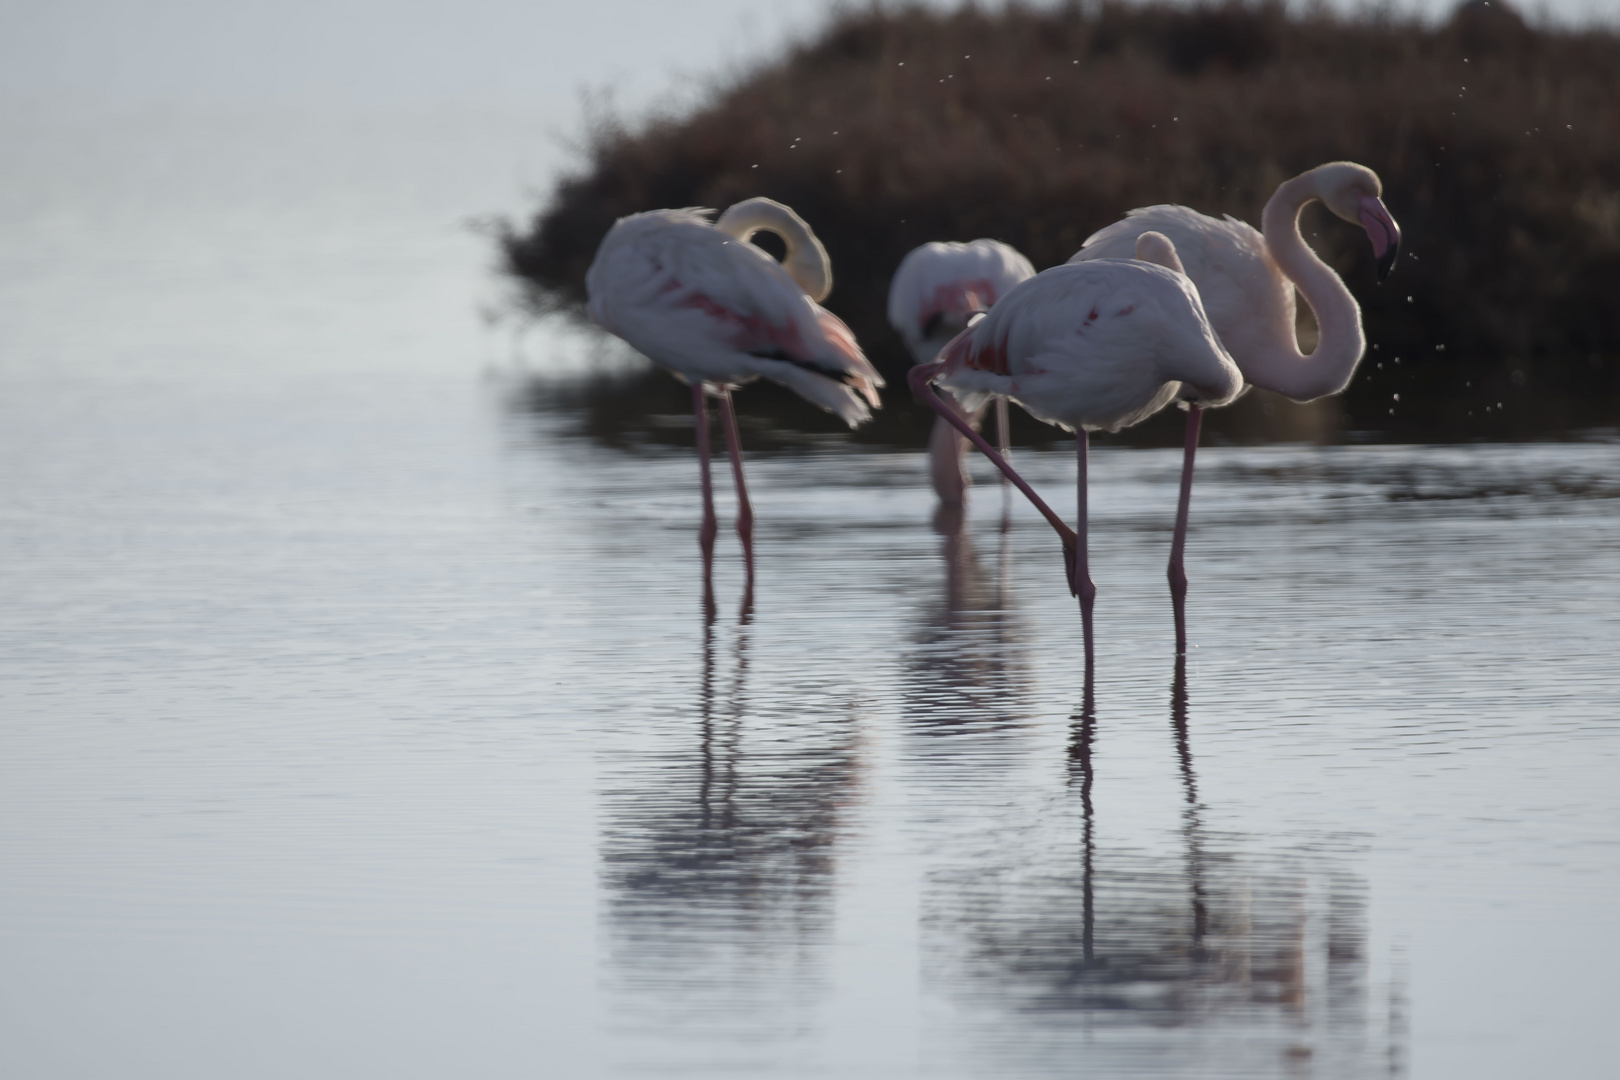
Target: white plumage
x=1247, y=278
x=716, y=309
x=1092, y=346
x=940, y=285
x=1244, y=295
x=1095, y=345
x=935, y=291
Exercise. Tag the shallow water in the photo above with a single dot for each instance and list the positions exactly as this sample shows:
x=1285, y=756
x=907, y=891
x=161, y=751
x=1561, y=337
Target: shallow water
x=366, y=720
x=376, y=723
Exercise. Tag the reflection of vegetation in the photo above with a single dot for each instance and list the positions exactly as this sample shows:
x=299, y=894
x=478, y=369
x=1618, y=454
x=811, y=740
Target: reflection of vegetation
x=1499, y=146
x=649, y=407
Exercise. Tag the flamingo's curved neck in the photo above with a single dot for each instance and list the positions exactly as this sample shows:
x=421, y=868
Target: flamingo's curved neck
x=806, y=261
x=1340, y=343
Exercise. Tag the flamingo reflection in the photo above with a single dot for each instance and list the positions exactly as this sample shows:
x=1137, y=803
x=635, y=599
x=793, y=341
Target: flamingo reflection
x=965, y=675
x=717, y=849
x=1215, y=935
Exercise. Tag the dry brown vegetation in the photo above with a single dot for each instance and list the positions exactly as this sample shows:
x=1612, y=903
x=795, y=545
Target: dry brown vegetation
x=1499, y=146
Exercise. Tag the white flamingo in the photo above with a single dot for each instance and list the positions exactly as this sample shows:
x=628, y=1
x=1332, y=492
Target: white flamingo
x=1247, y=281
x=936, y=290
x=1098, y=345
x=718, y=312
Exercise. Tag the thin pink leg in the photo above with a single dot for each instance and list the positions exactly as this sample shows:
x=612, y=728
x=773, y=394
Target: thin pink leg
x=945, y=449
x=921, y=379
x=1082, y=570
x=945, y=452
x=1178, y=545
x=745, y=509
x=706, y=531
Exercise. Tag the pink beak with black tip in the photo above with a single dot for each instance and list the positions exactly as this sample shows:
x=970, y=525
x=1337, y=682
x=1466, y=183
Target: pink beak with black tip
x=1382, y=231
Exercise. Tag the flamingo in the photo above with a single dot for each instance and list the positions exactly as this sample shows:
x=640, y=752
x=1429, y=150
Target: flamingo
x=1098, y=345
x=717, y=312
x=936, y=290
x=1247, y=281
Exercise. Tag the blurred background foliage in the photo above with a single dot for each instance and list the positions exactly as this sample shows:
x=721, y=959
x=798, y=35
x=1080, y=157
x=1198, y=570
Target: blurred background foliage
x=1498, y=143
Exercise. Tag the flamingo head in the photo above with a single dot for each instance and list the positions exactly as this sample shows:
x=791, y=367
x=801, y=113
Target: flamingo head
x=1352, y=192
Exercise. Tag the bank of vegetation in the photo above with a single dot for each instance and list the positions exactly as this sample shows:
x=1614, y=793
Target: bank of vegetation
x=1498, y=143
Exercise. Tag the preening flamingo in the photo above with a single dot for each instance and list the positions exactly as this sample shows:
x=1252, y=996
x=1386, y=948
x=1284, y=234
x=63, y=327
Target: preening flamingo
x=936, y=290
x=1247, y=281
x=1098, y=345
x=718, y=312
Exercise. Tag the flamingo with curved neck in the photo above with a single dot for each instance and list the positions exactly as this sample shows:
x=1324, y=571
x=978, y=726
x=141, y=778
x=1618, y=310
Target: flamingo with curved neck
x=1247, y=280
x=936, y=290
x=718, y=314
x=806, y=260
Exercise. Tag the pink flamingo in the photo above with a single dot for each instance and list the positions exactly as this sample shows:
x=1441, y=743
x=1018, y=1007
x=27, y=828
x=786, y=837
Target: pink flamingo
x=936, y=290
x=1247, y=281
x=718, y=312
x=1098, y=345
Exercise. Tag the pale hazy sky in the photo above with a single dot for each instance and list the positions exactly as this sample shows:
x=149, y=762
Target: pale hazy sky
x=381, y=52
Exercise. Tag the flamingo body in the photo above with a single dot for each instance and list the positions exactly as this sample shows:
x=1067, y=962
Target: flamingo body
x=1247, y=277
x=1244, y=295
x=1092, y=346
x=936, y=290
x=715, y=309
x=938, y=287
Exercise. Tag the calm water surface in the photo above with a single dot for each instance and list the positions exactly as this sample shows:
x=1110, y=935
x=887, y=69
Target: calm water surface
x=357, y=720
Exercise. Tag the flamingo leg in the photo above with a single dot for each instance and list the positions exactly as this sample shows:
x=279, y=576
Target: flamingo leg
x=921, y=379
x=946, y=449
x=1178, y=545
x=745, y=509
x=1002, y=426
x=1081, y=578
x=706, y=531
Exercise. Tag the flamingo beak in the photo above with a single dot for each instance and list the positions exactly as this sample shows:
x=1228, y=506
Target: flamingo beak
x=1382, y=231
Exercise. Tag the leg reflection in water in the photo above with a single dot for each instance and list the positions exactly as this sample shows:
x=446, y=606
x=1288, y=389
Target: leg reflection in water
x=718, y=834
x=1190, y=826
x=965, y=689
x=1183, y=943
x=1084, y=732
